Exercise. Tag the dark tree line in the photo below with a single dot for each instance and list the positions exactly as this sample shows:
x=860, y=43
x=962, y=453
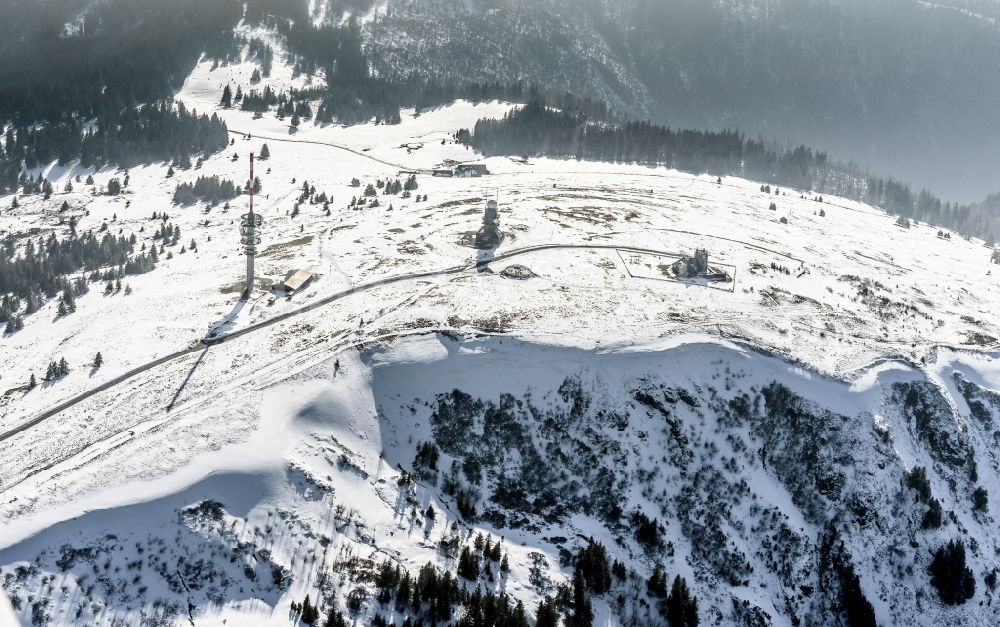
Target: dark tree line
x=435, y=596
x=153, y=132
x=537, y=130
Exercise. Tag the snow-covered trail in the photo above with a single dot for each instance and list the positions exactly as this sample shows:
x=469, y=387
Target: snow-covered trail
x=313, y=142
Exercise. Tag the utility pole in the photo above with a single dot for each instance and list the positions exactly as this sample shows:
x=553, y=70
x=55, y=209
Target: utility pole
x=249, y=224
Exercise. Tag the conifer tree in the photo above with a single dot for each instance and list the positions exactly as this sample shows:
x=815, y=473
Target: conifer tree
x=657, y=583
x=31, y=382
x=14, y=324
x=583, y=613
x=468, y=565
x=69, y=300
x=265, y=152
x=227, y=97
x=335, y=618
x=681, y=607
x=592, y=563
x=495, y=553
x=951, y=577
x=980, y=500
x=98, y=360
x=309, y=613
x=547, y=615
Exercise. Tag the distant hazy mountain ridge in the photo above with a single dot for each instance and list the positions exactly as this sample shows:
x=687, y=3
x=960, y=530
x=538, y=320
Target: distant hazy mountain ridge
x=903, y=87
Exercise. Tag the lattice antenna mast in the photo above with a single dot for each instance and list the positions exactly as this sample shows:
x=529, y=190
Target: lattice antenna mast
x=249, y=224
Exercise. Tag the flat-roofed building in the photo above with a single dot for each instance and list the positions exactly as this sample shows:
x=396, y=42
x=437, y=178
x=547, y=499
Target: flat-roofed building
x=295, y=281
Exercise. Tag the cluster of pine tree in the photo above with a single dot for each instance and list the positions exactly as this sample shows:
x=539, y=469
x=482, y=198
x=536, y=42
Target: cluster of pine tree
x=536, y=129
x=295, y=106
x=9, y=307
x=595, y=574
x=484, y=552
x=168, y=234
x=309, y=614
x=310, y=196
x=43, y=268
x=679, y=607
x=258, y=102
x=208, y=188
x=434, y=596
x=951, y=577
x=56, y=370
x=431, y=594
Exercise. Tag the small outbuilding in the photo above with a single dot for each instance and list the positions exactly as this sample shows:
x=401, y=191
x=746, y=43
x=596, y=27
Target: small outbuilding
x=295, y=281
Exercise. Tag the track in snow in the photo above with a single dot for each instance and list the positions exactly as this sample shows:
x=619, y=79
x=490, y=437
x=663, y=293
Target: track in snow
x=327, y=144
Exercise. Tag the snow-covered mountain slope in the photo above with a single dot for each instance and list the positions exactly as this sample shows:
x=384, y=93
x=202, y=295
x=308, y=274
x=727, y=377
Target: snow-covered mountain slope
x=761, y=422
x=762, y=479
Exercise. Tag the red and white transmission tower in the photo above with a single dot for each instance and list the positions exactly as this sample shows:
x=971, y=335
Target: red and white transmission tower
x=249, y=224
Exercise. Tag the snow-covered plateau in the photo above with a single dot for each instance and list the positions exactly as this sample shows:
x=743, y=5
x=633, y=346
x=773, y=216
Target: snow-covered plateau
x=762, y=437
